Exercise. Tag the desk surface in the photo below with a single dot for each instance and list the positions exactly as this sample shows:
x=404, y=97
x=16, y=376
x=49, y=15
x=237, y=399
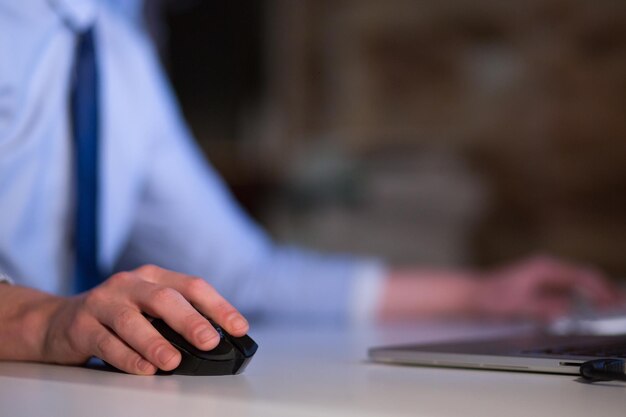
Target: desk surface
x=316, y=372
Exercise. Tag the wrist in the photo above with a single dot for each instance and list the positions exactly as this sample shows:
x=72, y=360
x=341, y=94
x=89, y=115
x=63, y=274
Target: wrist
x=39, y=316
x=413, y=293
x=26, y=314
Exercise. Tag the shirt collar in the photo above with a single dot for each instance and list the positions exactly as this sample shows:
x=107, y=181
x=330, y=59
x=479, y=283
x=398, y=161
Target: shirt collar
x=77, y=14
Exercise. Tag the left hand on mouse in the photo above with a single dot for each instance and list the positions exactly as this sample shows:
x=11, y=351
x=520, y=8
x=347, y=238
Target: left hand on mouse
x=107, y=321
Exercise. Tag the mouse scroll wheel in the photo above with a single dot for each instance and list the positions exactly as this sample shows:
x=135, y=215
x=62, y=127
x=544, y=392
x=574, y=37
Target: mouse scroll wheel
x=220, y=331
x=217, y=328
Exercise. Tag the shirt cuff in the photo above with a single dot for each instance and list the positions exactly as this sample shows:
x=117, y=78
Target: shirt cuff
x=366, y=293
x=4, y=279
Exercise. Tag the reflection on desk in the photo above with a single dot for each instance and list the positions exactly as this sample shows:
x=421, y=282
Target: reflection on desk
x=311, y=371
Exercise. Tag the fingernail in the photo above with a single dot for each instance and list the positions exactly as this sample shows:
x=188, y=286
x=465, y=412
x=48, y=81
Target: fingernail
x=144, y=365
x=165, y=355
x=239, y=323
x=207, y=335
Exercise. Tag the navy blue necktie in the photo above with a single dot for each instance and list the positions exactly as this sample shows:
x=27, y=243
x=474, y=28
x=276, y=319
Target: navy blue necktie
x=85, y=129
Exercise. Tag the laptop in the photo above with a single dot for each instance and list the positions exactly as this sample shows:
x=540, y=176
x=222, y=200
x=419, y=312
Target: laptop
x=547, y=351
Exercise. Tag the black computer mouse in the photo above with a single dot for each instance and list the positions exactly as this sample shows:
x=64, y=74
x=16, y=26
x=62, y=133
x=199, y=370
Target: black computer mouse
x=230, y=357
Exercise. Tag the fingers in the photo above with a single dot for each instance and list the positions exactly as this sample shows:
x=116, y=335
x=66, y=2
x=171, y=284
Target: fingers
x=75, y=334
x=168, y=304
x=204, y=297
x=132, y=327
x=213, y=305
x=544, y=288
x=598, y=288
x=548, y=274
x=111, y=349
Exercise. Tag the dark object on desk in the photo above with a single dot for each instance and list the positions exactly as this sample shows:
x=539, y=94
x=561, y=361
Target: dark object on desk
x=604, y=370
x=230, y=357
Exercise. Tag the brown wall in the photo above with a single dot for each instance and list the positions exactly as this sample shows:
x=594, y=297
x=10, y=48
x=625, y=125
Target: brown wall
x=449, y=131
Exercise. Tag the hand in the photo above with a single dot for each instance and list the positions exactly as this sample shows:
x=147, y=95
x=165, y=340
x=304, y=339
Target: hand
x=107, y=321
x=542, y=288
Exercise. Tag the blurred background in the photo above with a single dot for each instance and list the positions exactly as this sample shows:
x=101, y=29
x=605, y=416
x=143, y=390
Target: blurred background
x=448, y=132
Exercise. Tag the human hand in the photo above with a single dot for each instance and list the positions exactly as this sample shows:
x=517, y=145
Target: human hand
x=542, y=288
x=539, y=288
x=107, y=321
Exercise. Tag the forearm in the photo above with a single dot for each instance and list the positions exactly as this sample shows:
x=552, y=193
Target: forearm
x=291, y=283
x=24, y=314
x=412, y=293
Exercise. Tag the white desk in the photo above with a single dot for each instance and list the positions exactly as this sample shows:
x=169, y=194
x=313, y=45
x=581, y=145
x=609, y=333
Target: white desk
x=320, y=372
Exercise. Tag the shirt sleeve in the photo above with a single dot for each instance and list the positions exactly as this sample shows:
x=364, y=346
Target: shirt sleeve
x=4, y=279
x=366, y=294
x=188, y=221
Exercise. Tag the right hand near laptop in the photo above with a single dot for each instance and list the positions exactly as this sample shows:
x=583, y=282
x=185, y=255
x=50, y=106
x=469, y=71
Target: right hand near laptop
x=539, y=288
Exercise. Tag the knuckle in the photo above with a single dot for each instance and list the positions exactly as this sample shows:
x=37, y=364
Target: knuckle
x=149, y=269
x=154, y=346
x=197, y=285
x=224, y=309
x=93, y=298
x=123, y=319
x=164, y=295
x=195, y=324
x=104, y=345
x=121, y=278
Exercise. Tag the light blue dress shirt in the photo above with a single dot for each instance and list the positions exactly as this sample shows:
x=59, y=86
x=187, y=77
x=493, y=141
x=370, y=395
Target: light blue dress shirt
x=160, y=200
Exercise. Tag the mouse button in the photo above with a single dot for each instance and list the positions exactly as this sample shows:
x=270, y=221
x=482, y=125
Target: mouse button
x=179, y=342
x=170, y=335
x=245, y=345
x=222, y=352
